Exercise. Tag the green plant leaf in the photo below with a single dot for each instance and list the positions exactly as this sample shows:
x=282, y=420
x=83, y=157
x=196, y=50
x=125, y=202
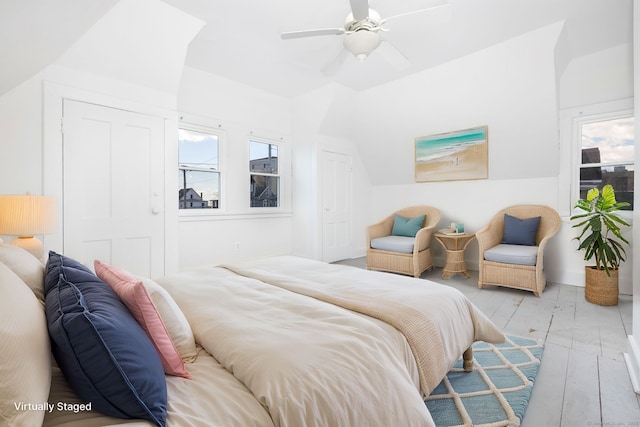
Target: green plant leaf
x=608, y=196
x=592, y=194
x=600, y=235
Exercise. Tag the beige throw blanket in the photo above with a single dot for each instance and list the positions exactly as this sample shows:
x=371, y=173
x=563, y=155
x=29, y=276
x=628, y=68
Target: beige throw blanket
x=412, y=314
x=417, y=327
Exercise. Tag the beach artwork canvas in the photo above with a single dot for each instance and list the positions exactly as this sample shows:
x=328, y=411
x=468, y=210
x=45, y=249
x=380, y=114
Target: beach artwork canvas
x=450, y=156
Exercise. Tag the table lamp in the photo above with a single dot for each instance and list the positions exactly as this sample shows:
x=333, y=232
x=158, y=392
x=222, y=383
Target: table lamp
x=25, y=216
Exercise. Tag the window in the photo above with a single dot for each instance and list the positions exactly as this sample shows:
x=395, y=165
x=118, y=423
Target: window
x=264, y=174
x=607, y=156
x=198, y=169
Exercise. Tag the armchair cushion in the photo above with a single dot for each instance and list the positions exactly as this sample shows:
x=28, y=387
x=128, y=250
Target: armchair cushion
x=407, y=226
x=512, y=254
x=520, y=231
x=402, y=244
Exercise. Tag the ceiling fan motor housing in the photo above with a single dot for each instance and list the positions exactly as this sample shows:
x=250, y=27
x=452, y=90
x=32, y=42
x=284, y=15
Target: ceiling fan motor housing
x=362, y=36
x=370, y=23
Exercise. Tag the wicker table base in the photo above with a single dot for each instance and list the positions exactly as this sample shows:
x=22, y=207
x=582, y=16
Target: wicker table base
x=455, y=244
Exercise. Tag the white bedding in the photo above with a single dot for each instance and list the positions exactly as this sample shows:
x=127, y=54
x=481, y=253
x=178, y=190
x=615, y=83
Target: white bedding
x=272, y=356
x=438, y=321
x=310, y=363
x=214, y=398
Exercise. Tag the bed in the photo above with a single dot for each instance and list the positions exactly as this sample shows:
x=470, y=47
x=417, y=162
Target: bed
x=287, y=341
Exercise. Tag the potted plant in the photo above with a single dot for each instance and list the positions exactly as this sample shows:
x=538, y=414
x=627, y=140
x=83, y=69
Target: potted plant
x=601, y=238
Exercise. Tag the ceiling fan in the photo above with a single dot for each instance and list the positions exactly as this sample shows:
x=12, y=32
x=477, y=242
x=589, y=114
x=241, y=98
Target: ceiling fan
x=362, y=30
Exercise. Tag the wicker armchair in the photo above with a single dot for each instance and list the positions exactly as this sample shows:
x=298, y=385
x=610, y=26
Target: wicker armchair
x=414, y=263
x=518, y=276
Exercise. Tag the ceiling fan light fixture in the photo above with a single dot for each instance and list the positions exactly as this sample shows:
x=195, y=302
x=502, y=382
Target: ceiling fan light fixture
x=362, y=43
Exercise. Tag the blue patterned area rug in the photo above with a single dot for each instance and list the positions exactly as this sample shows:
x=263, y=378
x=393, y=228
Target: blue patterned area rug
x=496, y=393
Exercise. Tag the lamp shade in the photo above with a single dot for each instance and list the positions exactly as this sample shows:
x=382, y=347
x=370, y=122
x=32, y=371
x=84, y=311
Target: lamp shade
x=27, y=215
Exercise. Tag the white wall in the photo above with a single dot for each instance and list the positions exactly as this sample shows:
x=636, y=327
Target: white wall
x=323, y=120
x=235, y=231
x=573, y=272
x=107, y=66
x=511, y=89
x=632, y=357
x=103, y=67
x=636, y=214
x=31, y=156
x=471, y=202
x=602, y=76
x=598, y=83
x=128, y=46
x=241, y=111
x=21, y=142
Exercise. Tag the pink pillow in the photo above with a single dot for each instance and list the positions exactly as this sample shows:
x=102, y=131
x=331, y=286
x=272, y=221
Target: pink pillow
x=135, y=296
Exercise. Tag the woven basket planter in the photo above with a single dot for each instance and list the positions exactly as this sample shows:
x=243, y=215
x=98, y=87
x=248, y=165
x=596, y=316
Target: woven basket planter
x=599, y=288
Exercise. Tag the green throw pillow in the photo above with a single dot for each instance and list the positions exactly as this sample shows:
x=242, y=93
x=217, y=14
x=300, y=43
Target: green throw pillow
x=407, y=226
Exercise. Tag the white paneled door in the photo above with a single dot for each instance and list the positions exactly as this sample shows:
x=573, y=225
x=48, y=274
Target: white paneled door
x=336, y=205
x=113, y=187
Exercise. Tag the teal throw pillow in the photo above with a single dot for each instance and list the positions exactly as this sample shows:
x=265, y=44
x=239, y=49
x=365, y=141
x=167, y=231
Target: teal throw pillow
x=407, y=226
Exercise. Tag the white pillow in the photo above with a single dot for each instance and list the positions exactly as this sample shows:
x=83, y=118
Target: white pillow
x=25, y=354
x=174, y=319
x=26, y=266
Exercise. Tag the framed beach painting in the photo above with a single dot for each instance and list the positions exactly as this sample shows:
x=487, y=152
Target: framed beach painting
x=458, y=155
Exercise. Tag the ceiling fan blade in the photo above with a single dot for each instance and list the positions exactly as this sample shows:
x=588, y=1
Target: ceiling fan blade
x=359, y=9
x=332, y=67
x=312, y=33
x=440, y=4
x=393, y=56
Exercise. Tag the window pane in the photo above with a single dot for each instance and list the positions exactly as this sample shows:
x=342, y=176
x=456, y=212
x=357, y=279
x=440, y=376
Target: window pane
x=197, y=149
x=264, y=191
x=608, y=141
x=263, y=157
x=620, y=177
x=198, y=189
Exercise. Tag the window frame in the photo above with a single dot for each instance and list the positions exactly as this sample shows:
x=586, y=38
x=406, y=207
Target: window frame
x=578, y=122
x=221, y=135
x=279, y=175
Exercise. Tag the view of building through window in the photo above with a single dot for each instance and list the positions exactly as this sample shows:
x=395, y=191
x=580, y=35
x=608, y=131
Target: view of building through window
x=198, y=170
x=264, y=179
x=608, y=153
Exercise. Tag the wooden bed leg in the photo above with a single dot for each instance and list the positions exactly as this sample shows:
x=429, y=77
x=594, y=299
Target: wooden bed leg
x=467, y=358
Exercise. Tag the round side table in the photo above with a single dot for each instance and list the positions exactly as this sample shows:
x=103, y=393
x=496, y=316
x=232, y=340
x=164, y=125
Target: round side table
x=454, y=244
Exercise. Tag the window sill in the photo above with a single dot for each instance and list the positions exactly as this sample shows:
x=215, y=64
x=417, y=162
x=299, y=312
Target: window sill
x=237, y=216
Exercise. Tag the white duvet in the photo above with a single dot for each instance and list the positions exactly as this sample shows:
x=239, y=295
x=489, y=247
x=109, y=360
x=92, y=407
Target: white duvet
x=311, y=363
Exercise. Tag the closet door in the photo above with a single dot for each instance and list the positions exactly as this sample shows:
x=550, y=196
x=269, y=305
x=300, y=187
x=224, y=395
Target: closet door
x=335, y=179
x=113, y=187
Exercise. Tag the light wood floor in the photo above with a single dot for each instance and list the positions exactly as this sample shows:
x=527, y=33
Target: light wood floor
x=583, y=379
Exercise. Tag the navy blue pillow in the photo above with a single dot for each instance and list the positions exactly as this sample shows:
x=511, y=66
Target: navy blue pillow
x=103, y=352
x=520, y=231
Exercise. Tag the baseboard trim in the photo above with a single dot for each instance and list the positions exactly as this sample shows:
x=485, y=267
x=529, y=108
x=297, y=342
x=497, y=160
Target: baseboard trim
x=632, y=359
